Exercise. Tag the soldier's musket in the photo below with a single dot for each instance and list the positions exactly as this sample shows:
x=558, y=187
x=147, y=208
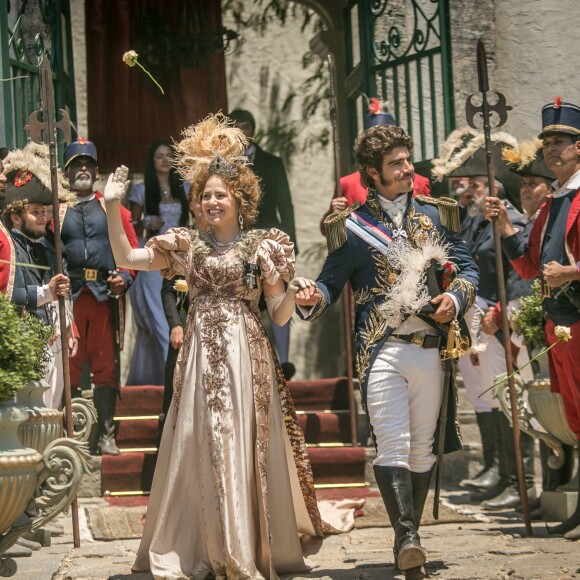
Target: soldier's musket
x=480, y=116
x=42, y=127
x=347, y=295
x=116, y=318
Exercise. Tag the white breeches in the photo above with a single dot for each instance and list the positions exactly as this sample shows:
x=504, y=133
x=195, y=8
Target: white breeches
x=54, y=377
x=404, y=395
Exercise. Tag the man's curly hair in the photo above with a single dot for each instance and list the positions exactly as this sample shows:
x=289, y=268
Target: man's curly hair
x=245, y=188
x=372, y=145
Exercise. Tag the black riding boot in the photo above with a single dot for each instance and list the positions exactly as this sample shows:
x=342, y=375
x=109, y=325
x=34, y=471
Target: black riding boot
x=421, y=483
x=488, y=476
x=510, y=497
x=574, y=520
x=396, y=489
x=105, y=399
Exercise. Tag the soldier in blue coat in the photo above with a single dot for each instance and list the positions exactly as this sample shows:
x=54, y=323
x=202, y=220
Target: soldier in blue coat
x=386, y=248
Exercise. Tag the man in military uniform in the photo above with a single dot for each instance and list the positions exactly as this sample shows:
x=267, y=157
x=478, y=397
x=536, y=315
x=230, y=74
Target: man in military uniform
x=26, y=211
x=385, y=249
x=95, y=281
x=553, y=253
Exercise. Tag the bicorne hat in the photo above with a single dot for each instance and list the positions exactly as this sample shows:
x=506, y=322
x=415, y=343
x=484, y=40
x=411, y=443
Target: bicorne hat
x=528, y=159
x=560, y=117
x=80, y=148
x=464, y=156
x=28, y=177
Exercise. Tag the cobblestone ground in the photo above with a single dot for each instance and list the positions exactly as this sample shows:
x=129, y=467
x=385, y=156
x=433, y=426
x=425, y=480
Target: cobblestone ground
x=493, y=547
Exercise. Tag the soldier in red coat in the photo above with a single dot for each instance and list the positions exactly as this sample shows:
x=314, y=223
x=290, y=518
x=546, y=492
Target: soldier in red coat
x=553, y=253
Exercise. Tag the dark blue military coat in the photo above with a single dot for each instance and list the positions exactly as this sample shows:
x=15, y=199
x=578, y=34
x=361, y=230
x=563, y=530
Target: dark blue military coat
x=370, y=276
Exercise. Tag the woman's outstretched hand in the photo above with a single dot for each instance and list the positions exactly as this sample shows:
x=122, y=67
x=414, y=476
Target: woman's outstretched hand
x=305, y=291
x=117, y=184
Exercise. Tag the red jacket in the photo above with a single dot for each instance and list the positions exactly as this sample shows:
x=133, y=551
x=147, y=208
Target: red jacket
x=528, y=265
x=6, y=269
x=353, y=189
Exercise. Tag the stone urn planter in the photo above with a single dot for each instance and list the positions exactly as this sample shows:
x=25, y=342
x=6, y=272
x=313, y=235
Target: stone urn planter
x=19, y=466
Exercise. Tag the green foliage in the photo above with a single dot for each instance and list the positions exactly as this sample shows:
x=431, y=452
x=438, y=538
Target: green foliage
x=528, y=319
x=23, y=349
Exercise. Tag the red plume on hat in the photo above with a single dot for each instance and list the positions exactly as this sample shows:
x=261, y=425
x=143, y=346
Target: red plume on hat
x=557, y=102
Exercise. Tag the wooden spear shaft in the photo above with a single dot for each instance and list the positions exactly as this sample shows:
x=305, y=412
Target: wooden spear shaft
x=505, y=327
x=46, y=78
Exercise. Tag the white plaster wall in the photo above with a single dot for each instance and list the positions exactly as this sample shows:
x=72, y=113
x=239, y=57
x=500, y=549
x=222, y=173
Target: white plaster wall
x=537, y=58
x=252, y=71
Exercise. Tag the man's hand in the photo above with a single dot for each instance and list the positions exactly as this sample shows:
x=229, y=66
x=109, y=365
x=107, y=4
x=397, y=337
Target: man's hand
x=73, y=346
x=59, y=285
x=116, y=284
x=176, y=337
x=556, y=275
x=488, y=324
x=338, y=204
x=117, y=184
x=494, y=207
x=446, y=310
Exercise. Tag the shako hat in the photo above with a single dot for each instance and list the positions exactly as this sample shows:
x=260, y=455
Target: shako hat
x=377, y=114
x=560, y=117
x=528, y=159
x=80, y=148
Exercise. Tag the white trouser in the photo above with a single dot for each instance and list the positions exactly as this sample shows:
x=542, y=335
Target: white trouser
x=54, y=377
x=404, y=395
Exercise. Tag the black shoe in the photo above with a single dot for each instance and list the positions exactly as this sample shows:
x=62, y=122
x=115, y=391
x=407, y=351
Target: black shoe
x=478, y=497
x=288, y=370
x=105, y=399
x=395, y=485
x=533, y=505
x=509, y=498
x=486, y=479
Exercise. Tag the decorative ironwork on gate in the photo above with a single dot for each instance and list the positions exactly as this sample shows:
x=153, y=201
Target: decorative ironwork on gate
x=400, y=51
x=29, y=30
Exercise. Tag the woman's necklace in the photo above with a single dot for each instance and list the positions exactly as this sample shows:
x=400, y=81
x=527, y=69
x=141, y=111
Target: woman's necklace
x=223, y=247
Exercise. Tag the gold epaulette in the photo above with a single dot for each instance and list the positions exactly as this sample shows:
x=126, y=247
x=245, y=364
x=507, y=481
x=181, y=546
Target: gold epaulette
x=448, y=211
x=335, y=227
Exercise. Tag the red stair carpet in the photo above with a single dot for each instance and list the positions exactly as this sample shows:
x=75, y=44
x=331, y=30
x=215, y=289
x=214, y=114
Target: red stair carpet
x=323, y=414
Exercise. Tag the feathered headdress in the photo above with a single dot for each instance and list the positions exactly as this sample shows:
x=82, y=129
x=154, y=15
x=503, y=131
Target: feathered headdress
x=212, y=146
x=28, y=172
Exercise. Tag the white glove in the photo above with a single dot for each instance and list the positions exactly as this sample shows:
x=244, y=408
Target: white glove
x=117, y=184
x=298, y=284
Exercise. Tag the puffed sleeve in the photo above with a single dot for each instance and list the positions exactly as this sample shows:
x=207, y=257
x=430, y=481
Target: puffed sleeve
x=275, y=257
x=174, y=244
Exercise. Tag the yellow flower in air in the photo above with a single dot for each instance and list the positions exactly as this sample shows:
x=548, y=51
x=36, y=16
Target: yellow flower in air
x=181, y=286
x=130, y=58
x=563, y=333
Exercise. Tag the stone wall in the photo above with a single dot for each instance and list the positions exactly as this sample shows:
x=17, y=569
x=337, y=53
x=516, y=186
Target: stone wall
x=260, y=74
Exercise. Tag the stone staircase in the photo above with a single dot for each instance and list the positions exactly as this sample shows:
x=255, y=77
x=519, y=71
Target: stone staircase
x=323, y=413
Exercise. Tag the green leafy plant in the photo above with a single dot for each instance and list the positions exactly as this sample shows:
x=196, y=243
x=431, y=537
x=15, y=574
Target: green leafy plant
x=528, y=319
x=23, y=349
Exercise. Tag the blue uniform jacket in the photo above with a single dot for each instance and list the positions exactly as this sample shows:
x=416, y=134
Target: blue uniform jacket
x=363, y=265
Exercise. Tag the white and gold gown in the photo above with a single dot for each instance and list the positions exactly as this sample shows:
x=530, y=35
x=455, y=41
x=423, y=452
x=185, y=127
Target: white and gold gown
x=233, y=485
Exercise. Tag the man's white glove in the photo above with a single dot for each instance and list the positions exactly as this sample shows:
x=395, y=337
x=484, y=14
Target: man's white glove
x=117, y=184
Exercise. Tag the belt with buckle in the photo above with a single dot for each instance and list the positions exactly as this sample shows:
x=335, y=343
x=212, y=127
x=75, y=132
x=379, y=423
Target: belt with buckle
x=420, y=339
x=89, y=274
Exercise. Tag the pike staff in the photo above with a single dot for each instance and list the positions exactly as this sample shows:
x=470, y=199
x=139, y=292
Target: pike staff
x=484, y=113
x=44, y=131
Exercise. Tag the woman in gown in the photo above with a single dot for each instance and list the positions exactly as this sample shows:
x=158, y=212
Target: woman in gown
x=157, y=205
x=233, y=486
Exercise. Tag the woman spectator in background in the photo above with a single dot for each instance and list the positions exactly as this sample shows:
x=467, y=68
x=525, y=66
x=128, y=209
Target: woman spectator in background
x=158, y=204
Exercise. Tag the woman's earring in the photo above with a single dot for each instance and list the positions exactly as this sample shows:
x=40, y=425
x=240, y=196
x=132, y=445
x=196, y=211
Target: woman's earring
x=241, y=220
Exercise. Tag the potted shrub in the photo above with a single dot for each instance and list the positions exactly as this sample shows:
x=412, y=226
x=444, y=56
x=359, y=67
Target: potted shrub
x=23, y=355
